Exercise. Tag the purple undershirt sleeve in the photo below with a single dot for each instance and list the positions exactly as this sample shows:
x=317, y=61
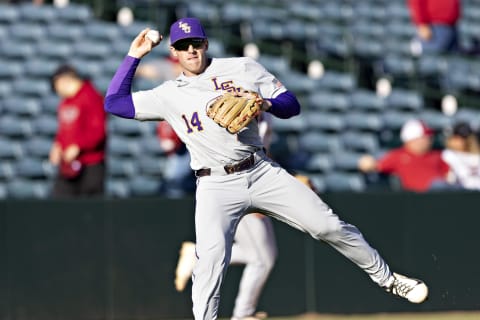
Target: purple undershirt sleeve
x=118, y=100
x=285, y=105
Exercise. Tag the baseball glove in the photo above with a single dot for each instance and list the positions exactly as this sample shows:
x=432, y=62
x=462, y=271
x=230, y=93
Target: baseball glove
x=235, y=111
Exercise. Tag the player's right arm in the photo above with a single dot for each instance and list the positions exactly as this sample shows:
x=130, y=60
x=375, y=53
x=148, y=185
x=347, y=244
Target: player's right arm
x=118, y=100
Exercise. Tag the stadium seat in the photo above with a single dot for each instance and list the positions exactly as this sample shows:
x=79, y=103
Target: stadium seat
x=329, y=101
x=319, y=162
x=50, y=103
x=7, y=171
x=132, y=30
x=398, y=66
x=235, y=12
x=325, y=121
x=8, y=13
x=33, y=168
x=124, y=127
x=277, y=65
x=368, y=28
x=368, y=48
x=86, y=67
x=66, y=33
x=30, y=87
x=38, y=147
x=35, y=13
x=150, y=144
x=339, y=81
x=144, y=186
x=435, y=119
x=10, y=70
x=346, y=161
x=45, y=125
x=151, y=166
x=25, y=31
x=102, y=31
x=333, y=46
x=5, y=89
x=338, y=181
x=53, y=50
x=74, y=14
x=121, y=167
x=366, y=142
x=15, y=50
x=117, y=188
x=123, y=147
x=15, y=127
x=401, y=99
x=102, y=83
x=216, y=48
x=91, y=49
x=21, y=106
x=319, y=142
x=208, y=13
x=27, y=189
x=363, y=121
x=395, y=119
x=295, y=124
x=306, y=11
x=40, y=68
x=296, y=81
x=10, y=149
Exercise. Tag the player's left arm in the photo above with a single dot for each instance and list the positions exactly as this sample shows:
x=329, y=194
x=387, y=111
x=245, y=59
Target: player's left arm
x=277, y=99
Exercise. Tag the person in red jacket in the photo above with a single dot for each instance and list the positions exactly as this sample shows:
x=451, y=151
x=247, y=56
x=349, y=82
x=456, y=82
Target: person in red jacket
x=418, y=167
x=436, y=22
x=79, y=145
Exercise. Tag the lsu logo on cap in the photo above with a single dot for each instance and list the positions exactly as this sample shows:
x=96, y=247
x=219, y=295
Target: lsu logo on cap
x=185, y=27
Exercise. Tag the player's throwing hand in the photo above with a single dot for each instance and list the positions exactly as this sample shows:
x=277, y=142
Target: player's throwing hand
x=142, y=45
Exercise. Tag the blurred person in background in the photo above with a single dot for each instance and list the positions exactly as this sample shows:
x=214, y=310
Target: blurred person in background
x=462, y=154
x=436, y=23
x=418, y=167
x=177, y=174
x=79, y=146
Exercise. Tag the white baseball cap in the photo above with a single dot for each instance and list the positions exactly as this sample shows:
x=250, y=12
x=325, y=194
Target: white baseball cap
x=413, y=129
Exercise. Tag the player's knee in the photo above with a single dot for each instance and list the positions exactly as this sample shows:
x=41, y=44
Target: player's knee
x=329, y=231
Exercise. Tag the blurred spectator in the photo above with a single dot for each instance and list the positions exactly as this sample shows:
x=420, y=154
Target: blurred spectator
x=436, y=23
x=462, y=154
x=418, y=167
x=178, y=176
x=79, y=146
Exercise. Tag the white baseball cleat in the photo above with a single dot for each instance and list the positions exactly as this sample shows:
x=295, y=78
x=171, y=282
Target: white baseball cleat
x=414, y=290
x=185, y=265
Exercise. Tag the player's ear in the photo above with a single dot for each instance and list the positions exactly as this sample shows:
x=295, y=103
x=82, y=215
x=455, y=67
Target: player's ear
x=206, y=44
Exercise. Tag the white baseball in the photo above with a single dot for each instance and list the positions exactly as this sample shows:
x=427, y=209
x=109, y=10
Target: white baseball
x=154, y=36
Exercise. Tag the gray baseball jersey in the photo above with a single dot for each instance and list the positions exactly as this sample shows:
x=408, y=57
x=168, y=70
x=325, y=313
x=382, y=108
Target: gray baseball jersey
x=183, y=102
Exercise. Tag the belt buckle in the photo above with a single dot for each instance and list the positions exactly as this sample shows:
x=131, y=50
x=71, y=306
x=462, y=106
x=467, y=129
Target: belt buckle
x=229, y=169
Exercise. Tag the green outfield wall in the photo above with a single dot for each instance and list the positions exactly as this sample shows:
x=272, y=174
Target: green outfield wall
x=115, y=259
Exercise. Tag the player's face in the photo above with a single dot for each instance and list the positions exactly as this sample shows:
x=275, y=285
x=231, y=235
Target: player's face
x=191, y=55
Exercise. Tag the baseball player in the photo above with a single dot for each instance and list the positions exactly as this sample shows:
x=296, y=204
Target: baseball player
x=254, y=246
x=233, y=173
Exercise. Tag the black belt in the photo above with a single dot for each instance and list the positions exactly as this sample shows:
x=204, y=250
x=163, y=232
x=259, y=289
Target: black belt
x=244, y=164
